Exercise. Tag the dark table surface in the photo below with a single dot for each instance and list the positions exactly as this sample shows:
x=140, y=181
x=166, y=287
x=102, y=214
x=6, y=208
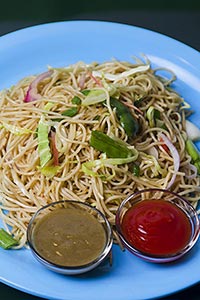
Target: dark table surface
x=182, y=25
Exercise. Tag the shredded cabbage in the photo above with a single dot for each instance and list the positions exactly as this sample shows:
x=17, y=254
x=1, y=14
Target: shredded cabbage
x=43, y=142
x=113, y=77
x=87, y=167
x=14, y=129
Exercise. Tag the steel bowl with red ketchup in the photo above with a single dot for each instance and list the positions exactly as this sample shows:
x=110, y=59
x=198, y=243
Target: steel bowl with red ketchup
x=157, y=225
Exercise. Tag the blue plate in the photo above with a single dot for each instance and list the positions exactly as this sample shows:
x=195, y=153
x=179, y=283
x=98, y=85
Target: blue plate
x=29, y=51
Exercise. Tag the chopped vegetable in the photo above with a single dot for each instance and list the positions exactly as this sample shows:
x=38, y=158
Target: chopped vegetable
x=192, y=150
x=193, y=132
x=139, y=101
x=14, y=129
x=113, y=77
x=153, y=152
x=152, y=115
x=155, y=167
x=76, y=100
x=54, y=148
x=43, y=142
x=175, y=155
x=50, y=170
x=48, y=152
x=85, y=92
x=197, y=165
x=126, y=119
x=136, y=170
x=48, y=106
x=71, y=112
x=111, y=147
x=6, y=239
x=94, y=96
x=97, y=81
x=88, y=166
x=194, y=154
x=193, y=170
x=32, y=93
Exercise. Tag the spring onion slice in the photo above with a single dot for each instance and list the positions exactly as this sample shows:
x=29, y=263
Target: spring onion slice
x=194, y=154
x=6, y=240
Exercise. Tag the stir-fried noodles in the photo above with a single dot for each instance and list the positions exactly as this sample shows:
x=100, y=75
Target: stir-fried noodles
x=60, y=133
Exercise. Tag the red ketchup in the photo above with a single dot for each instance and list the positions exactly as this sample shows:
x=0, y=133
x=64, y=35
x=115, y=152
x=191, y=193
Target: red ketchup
x=156, y=227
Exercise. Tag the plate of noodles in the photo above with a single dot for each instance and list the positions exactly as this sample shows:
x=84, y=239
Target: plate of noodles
x=59, y=83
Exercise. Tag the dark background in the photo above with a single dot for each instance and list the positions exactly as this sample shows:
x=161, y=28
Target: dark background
x=175, y=18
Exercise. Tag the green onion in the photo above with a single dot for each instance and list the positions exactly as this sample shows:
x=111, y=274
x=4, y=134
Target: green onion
x=139, y=101
x=76, y=100
x=152, y=115
x=6, y=239
x=192, y=150
x=136, y=170
x=126, y=119
x=197, y=165
x=85, y=92
x=71, y=112
x=194, y=154
x=96, y=118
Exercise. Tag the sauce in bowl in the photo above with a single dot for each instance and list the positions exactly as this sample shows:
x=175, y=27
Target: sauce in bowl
x=157, y=227
x=69, y=237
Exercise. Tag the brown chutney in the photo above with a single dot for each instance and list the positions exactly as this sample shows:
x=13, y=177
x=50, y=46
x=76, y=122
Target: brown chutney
x=69, y=236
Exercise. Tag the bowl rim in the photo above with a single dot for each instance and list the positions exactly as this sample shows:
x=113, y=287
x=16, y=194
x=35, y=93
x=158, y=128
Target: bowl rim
x=160, y=258
x=49, y=264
